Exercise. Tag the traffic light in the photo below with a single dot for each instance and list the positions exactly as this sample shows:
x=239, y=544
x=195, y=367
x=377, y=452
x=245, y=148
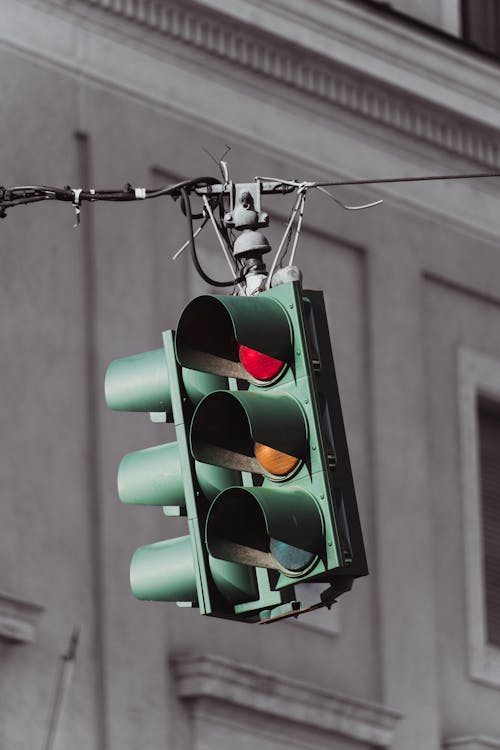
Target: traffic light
x=260, y=467
x=178, y=570
x=279, y=425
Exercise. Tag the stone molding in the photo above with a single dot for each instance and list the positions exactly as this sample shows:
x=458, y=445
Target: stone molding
x=18, y=619
x=311, y=73
x=274, y=695
x=478, y=742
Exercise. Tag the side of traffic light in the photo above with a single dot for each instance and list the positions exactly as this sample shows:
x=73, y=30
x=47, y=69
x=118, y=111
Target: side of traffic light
x=178, y=570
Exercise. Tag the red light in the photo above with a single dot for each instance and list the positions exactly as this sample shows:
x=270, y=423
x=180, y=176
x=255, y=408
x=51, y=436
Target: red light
x=260, y=366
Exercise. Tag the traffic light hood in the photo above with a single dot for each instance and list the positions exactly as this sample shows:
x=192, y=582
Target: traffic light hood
x=139, y=383
x=263, y=527
x=211, y=328
x=164, y=571
x=152, y=477
x=227, y=425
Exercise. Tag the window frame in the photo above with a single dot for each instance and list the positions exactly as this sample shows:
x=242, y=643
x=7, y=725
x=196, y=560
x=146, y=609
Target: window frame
x=478, y=376
x=467, y=33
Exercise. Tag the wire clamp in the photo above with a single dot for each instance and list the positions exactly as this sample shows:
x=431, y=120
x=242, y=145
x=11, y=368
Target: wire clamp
x=76, y=205
x=140, y=193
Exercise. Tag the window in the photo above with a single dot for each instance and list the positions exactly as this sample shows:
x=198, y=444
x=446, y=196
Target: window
x=489, y=468
x=479, y=419
x=481, y=24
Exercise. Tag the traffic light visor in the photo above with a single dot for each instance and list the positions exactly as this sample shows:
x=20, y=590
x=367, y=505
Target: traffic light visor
x=241, y=337
x=139, y=383
x=164, y=571
x=249, y=431
x=152, y=477
x=266, y=528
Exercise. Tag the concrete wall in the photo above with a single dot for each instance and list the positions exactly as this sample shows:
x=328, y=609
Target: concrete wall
x=100, y=95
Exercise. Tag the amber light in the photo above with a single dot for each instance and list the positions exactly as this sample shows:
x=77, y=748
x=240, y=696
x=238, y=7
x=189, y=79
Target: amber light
x=260, y=366
x=275, y=462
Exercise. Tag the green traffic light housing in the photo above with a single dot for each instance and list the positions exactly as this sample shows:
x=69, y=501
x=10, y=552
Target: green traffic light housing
x=177, y=570
x=280, y=425
x=260, y=467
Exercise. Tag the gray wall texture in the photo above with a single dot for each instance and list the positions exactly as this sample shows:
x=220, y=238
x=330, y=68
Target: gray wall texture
x=98, y=93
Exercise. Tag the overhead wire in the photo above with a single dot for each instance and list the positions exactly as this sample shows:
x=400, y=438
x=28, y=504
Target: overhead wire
x=24, y=194
x=199, y=269
x=222, y=243
x=423, y=178
x=27, y=194
x=308, y=185
x=186, y=244
x=291, y=221
x=302, y=187
x=299, y=227
x=344, y=205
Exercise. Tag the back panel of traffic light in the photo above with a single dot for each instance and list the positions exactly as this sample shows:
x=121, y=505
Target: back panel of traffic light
x=331, y=421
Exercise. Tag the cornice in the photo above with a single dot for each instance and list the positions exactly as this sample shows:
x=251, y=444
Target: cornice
x=214, y=678
x=343, y=55
x=478, y=742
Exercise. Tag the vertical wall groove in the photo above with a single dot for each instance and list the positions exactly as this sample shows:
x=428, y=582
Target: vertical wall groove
x=92, y=441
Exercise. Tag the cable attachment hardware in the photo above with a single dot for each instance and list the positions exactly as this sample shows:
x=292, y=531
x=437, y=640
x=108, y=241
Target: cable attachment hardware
x=245, y=208
x=245, y=215
x=76, y=205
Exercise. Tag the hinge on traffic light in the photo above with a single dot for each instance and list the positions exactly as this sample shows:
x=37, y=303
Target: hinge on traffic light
x=331, y=459
x=316, y=365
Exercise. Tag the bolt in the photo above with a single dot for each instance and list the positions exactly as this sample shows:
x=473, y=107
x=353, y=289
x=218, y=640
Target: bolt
x=246, y=200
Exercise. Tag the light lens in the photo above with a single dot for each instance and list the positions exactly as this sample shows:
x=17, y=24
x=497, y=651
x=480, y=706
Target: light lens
x=294, y=559
x=275, y=462
x=260, y=366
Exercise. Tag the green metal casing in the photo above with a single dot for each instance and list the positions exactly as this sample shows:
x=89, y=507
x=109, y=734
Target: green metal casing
x=314, y=509
x=178, y=569
x=251, y=536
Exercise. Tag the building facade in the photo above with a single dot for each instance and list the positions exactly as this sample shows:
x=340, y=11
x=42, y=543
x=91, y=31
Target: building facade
x=100, y=93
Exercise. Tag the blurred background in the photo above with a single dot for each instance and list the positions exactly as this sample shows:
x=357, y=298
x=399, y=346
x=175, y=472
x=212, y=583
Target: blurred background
x=98, y=93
